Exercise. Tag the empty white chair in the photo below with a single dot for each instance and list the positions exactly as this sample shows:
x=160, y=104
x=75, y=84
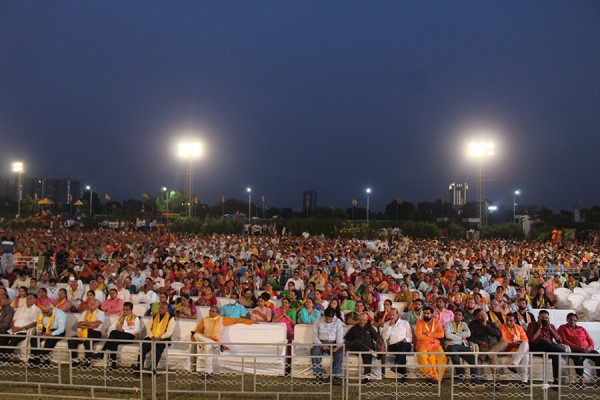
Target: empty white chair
x=561, y=292
x=595, y=284
x=596, y=296
x=177, y=286
x=582, y=291
x=576, y=301
x=590, y=309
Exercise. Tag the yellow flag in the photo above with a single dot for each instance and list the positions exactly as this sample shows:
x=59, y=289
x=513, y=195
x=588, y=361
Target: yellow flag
x=196, y=201
x=145, y=196
x=222, y=199
x=354, y=202
x=263, y=198
x=107, y=196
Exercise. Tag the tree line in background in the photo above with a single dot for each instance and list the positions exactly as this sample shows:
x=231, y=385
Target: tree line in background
x=425, y=219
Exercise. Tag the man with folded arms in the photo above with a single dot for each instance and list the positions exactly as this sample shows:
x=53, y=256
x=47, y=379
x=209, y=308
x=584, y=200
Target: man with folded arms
x=515, y=336
x=90, y=326
x=364, y=338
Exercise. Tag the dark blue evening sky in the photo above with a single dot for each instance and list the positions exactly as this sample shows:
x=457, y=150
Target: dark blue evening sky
x=333, y=96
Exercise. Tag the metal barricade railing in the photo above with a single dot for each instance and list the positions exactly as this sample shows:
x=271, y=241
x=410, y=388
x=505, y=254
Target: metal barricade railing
x=531, y=377
x=43, y=366
x=248, y=369
x=234, y=370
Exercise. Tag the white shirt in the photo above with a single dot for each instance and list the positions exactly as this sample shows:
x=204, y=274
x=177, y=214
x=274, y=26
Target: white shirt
x=124, y=295
x=25, y=315
x=323, y=331
x=99, y=295
x=99, y=317
x=53, y=292
x=394, y=333
x=298, y=284
x=133, y=330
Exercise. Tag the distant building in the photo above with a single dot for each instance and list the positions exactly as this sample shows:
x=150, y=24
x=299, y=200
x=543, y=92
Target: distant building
x=61, y=191
x=458, y=194
x=309, y=200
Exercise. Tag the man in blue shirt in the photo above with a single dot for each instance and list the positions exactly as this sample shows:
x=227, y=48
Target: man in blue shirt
x=233, y=309
x=50, y=330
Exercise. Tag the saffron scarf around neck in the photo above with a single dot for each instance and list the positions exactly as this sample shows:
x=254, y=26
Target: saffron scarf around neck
x=159, y=325
x=40, y=324
x=89, y=317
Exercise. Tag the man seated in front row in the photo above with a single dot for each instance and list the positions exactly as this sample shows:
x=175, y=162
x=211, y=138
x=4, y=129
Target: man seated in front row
x=364, y=338
x=210, y=330
x=162, y=327
x=397, y=333
x=90, y=326
x=328, y=330
x=517, y=342
x=579, y=341
x=50, y=330
x=126, y=328
x=456, y=333
x=24, y=318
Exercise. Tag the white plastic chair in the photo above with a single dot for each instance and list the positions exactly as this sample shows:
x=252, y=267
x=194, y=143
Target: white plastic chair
x=590, y=309
x=576, y=301
x=596, y=296
x=582, y=291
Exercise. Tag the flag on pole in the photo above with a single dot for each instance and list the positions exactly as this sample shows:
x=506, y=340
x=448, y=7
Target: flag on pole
x=196, y=201
x=263, y=198
x=354, y=202
x=145, y=196
x=581, y=204
x=222, y=199
x=70, y=197
x=107, y=196
x=398, y=200
x=35, y=196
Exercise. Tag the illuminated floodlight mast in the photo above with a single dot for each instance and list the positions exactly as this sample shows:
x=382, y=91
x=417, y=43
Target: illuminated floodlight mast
x=368, y=200
x=189, y=151
x=480, y=151
x=18, y=168
x=517, y=193
x=249, y=190
x=89, y=188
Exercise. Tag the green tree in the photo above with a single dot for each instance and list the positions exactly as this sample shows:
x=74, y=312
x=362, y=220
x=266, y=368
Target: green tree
x=177, y=202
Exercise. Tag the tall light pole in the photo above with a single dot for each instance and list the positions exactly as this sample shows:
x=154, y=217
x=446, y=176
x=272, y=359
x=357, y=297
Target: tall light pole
x=480, y=150
x=249, y=190
x=190, y=151
x=167, y=195
x=368, y=198
x=88, y=187
x=517, y=193
x=18, y=168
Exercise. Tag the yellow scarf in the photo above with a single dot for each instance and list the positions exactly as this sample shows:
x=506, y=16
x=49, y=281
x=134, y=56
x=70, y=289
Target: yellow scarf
x=213, y=334
x=121, y=319
x=40, y=324
x=83, y=333
x=159, y=326
x=457, y=327
x=494, y=318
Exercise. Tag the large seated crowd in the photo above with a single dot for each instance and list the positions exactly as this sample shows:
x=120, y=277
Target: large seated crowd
x=396, y=295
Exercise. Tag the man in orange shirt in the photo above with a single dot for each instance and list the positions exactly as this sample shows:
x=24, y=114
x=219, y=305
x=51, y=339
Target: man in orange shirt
x=518, y=343
x=429, y=331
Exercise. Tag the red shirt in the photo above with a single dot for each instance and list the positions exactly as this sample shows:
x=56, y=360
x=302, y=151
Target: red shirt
x=575, y=337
